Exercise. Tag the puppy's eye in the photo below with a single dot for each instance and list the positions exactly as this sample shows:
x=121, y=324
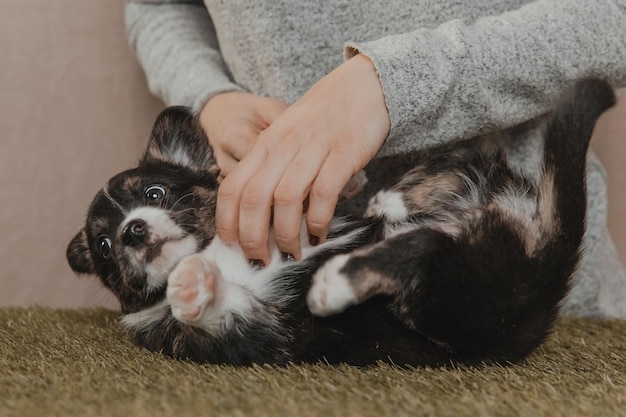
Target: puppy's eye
x=155, y=193
x=104, y=245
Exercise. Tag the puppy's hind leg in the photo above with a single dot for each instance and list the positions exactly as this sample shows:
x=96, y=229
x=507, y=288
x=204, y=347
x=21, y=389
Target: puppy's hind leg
x=400, y=267
x=392, y=267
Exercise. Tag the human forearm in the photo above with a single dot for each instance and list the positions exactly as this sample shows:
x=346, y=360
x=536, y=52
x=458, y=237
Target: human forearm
x=459, y=80
x=177, y=47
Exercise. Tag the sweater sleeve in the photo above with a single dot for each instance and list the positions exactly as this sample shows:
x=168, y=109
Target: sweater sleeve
x=175, y=43
x=459, y=80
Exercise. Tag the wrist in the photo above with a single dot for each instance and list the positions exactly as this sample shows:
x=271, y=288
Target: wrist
x=363, y=67
x=217, y=100
x=211, y=114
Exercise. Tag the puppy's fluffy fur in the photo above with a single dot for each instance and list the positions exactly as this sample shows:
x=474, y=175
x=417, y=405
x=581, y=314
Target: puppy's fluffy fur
x=466, y=259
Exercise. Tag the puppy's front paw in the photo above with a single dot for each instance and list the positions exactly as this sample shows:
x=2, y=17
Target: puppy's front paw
x=191, y=287
x=387, y=203
x=331, y=292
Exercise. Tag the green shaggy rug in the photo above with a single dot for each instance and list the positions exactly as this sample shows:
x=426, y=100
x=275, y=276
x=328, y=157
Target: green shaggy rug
x=80, y=363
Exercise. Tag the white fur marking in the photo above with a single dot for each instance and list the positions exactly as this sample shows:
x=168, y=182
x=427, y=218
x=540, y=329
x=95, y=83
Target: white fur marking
x=331, y=292
x=105, y=191
x=387, y=203
x=144, y=319
x=171, y=253
x=216, y=298
x=238, y=286
x=157, y=219
x=175, y=244
x=181, y=157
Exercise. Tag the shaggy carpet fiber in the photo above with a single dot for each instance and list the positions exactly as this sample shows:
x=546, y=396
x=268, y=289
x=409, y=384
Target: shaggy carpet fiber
x=81, y=363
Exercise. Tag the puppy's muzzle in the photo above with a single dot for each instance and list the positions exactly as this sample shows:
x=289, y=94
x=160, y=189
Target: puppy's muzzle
x=135, y=233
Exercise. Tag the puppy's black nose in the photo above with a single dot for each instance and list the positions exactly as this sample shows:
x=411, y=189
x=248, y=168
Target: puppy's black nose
x=134, y=233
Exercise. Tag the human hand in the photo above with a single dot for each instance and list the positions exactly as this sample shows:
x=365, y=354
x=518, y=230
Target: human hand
x=311, y=150
x=233, y=121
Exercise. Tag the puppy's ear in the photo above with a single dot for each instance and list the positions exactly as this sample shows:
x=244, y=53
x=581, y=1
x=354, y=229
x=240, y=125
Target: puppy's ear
x=178, y=138
x=78, y=255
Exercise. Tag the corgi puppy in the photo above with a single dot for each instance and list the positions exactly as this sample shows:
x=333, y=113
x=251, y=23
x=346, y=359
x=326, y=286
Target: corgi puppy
x=465, y=260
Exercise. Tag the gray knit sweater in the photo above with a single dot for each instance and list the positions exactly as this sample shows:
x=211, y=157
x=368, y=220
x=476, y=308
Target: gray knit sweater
x=449, y=70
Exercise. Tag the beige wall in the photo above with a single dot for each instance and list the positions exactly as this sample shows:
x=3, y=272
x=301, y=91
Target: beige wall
x=609, y=142
x=74, y=110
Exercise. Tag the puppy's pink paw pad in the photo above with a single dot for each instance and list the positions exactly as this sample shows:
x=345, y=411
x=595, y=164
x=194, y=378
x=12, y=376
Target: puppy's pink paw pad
x=187, y=295
x=191, y=288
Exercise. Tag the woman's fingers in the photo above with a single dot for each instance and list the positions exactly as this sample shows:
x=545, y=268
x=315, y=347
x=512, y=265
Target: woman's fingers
x=290, y=194
x=332, y=177
x=257, y=200
x=230, y=192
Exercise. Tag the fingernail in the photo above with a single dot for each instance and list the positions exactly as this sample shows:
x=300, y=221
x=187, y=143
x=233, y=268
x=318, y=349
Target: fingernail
x=257, y=263
x=314, y=240
x=288, y=257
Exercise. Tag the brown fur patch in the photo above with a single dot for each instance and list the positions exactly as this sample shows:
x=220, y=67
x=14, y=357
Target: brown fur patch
x=534, y=221
x=431, y=192
x=369, y=283
x=366, y=282
x=131, y=183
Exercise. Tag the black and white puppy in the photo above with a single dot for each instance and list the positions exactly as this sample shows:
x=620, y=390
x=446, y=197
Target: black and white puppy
x=466, y=259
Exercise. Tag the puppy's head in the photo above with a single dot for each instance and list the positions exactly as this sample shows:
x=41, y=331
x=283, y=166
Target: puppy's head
x=148, y=218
